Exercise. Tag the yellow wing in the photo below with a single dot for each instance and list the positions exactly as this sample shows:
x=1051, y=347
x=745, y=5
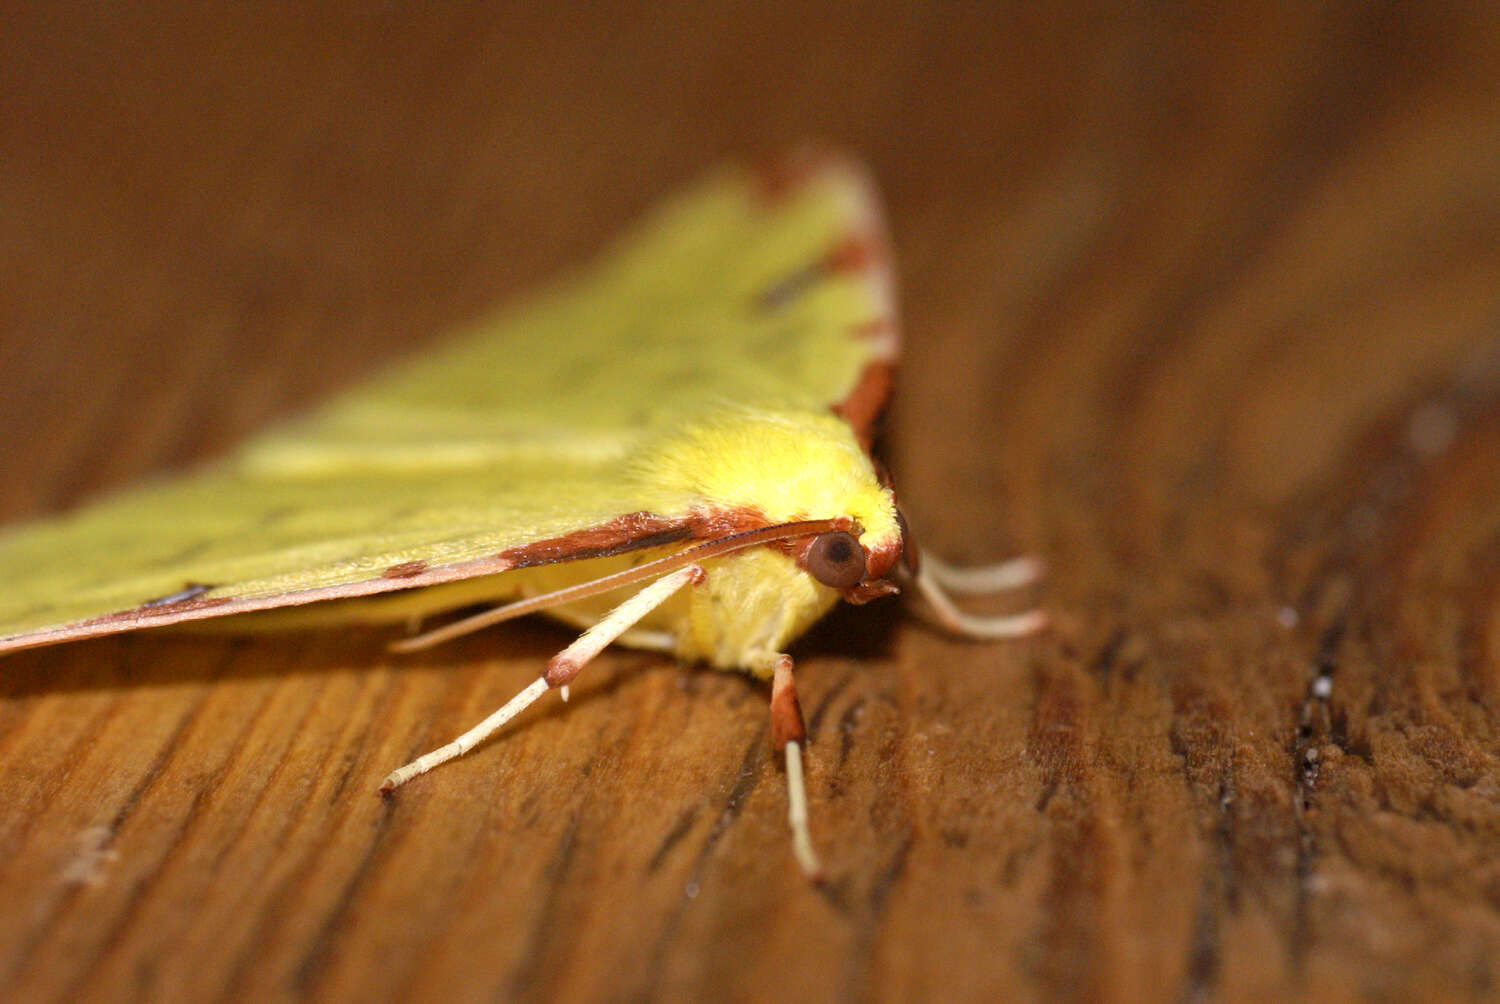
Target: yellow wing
x=506, y=448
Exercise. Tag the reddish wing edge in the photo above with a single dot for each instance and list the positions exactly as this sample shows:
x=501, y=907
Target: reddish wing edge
x=865, y=251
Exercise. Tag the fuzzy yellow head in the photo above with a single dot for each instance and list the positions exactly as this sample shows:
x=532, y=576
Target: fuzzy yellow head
x=770, y=467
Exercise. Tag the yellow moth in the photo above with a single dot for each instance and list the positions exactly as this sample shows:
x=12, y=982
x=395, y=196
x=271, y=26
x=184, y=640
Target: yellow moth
x=669, y=450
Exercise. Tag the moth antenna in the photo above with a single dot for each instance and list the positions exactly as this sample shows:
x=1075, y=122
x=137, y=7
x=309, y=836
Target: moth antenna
x=949, y=617
x=789, y=732
x=983, y=580
x=687, y=556
x=561, y=670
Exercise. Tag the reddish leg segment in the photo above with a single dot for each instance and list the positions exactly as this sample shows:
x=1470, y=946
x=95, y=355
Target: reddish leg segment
x=789, y=733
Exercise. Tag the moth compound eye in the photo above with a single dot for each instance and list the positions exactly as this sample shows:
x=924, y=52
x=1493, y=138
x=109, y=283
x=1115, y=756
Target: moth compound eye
x=836, y=560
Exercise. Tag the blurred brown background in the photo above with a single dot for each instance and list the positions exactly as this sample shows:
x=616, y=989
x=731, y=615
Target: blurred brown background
x=1202, y=306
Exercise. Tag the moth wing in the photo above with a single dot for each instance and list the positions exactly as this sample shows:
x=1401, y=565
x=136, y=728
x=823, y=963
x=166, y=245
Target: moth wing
x=507, y=447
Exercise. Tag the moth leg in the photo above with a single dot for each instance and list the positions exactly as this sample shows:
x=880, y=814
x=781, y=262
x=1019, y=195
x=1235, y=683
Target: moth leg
x=789, y=733
x=561, y=669
x=949, y=617
x=649, y=640
x=983, y=580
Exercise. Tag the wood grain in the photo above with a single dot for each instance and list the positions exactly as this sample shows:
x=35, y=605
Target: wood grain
x=1200, y=306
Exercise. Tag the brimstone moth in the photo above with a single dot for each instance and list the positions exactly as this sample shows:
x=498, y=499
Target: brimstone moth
x=669, y=449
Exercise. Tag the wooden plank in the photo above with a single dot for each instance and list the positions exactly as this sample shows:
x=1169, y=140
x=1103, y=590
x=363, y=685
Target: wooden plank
x=1203, y=308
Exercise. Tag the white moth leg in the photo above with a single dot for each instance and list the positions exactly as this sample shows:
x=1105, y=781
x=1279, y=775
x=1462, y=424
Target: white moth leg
x=649, y=640
x=796, y=797
x=467, y=741
x=789, y=732
x=983, y=580
x=967, y=625
x=561, y=670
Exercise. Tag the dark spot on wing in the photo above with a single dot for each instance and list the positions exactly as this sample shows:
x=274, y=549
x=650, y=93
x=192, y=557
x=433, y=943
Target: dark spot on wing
x=275, y=515
x=786, y=289
x=405, y=570
x=853, y=253
x=191, y=591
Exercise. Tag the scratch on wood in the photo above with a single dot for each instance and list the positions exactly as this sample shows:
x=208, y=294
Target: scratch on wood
x=320, y=946
x=147, y=781
x=847, y=722
x=747, y=776
x=1109, y=652
x=524, y=979
x=832, y=693
x=856, y=982
x=745, y=781
x=1217, y=892
x=676, y=833
x=252, y=954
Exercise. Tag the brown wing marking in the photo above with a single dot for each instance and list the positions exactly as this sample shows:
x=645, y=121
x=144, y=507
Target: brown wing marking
x=783, y=175
x=864, y=251
x=867, y=400
x=630, y=532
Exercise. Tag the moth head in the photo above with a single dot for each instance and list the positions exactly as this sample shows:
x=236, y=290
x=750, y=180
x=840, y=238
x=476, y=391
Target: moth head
x=788, y=466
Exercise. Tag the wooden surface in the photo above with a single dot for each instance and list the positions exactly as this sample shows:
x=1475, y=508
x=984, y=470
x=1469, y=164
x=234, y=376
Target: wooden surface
x=1203, y=308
